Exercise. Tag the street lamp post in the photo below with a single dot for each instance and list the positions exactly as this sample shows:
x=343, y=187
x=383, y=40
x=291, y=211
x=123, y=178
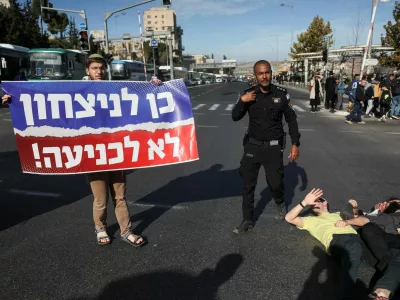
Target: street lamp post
x=369, y=39
x=291, y=7
x=107, y=15
x=277, y=46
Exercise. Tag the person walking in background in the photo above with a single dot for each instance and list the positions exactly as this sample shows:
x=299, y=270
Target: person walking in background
x=316, y=92
x=340, y=92
x=369, y=97
x=330, y=84
x=355, y=115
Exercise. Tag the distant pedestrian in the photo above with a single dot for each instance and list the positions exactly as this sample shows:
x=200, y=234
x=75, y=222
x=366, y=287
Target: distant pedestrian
x=330, y=84
x=355, y=114
x=316, y=92
x=340, y=93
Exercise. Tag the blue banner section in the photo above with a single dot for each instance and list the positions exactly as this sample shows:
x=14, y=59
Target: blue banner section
x=96, y=104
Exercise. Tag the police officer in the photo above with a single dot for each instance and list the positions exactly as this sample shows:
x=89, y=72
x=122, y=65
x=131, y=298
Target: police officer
x=264, y=141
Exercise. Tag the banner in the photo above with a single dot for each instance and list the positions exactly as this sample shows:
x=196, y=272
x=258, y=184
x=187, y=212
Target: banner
x=70, y=127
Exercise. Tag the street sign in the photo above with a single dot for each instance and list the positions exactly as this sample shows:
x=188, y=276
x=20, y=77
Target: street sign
x=82, y=26
x=154, y=43
x=371, y=62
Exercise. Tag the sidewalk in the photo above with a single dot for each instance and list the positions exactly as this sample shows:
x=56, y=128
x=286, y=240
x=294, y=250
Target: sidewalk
x=305, y=90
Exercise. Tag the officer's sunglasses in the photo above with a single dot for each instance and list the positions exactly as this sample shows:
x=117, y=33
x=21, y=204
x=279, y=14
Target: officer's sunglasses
x=320, y=199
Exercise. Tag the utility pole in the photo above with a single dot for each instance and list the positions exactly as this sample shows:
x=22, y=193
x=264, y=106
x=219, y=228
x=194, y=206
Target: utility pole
x=107, y=15
x=171, y=57
x=277, y=46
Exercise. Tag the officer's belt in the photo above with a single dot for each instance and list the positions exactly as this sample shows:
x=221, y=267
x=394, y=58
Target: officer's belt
x=268, y=143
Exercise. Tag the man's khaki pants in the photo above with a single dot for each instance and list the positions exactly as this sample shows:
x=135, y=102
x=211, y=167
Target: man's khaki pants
x=114, y=182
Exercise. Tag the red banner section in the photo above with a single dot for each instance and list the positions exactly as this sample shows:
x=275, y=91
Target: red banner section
x=107, y=151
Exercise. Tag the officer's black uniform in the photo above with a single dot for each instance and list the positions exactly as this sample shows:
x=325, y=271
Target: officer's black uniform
x=264, y=143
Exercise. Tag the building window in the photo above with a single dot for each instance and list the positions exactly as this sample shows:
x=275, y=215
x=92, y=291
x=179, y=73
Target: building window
x=155, y=17
x=149, y=16
x=163, y=22
x=155, y=22
x=156, y=28
x=162, y=16
x=163, y=28
x=149, y=22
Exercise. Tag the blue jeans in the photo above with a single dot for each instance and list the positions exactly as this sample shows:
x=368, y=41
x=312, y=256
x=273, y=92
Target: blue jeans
x=355, y=114
x=395, y=106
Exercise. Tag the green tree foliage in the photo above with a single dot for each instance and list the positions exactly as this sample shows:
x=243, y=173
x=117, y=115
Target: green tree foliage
x=57, y=24
x=392, y=39
x=314, y=39
x=162, y=53
x=94, y=48
x=73, y=34
x=19, y=26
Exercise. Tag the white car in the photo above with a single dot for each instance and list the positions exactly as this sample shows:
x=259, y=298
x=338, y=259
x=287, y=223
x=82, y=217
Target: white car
x=218, y=80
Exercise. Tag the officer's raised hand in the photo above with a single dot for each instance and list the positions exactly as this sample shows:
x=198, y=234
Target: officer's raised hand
x=294, y=153
x=248, y=97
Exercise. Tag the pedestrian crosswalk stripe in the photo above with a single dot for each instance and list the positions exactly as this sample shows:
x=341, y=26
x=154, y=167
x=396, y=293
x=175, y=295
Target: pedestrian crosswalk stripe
x=230, y=107
x=198, y=106
x=298, y=108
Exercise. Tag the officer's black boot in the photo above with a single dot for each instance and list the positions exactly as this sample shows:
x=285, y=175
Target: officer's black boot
x=281, y=211
x=244, y=227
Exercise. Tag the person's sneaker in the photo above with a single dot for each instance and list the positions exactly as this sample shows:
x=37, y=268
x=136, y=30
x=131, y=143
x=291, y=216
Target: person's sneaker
x=394, y=117
x=281, y=211
x=244, y=227
x=362, y=123
x=348, y=122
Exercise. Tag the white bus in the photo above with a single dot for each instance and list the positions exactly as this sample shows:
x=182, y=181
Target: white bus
x=194, y=78
x=13, y=59
x=179, y=73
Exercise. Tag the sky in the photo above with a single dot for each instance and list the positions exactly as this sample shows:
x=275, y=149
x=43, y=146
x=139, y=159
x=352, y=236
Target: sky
x=244, y=30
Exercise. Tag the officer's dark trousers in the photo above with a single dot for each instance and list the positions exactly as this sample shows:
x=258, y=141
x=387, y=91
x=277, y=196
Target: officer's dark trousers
x=271, y=158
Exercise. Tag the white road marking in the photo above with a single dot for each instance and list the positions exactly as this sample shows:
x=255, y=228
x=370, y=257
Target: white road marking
x=350, y=131
x=207, y=126
x=175, y=207
x=389, y=132
x=214, y=107
x=230, y=107
x=7, y=120
x=34, y=193
x=198, y=106
x=298, y=108
x=306, y=129
x=226, y=114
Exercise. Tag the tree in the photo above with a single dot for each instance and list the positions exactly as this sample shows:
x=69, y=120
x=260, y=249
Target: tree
x=94, y=48
x=162, y=53
x=57, y=24
x=212, y=55
x=356, y=33
x=73, y=34
x=314, y=39
x=19, y=26
x=224, y=57
x=392, y=39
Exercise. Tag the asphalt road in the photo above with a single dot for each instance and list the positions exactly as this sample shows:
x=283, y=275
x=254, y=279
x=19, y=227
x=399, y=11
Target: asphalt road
x=48, y=248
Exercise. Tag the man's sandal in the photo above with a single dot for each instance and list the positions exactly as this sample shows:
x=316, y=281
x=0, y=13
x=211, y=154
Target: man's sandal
x=134, y=243
x=100, y=238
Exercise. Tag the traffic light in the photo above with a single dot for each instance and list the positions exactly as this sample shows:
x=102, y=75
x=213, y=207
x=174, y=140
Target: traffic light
x=166, y=2
x=156, y=55
x=84, y=40
x=325, y=55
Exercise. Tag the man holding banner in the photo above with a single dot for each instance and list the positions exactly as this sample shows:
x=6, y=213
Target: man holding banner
x=102, y=130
